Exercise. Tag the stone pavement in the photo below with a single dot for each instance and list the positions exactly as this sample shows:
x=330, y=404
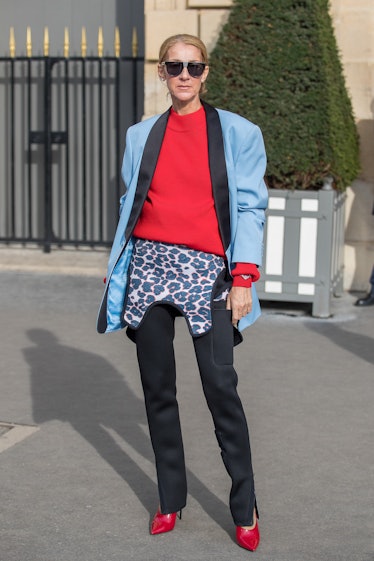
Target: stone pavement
x=79, y=485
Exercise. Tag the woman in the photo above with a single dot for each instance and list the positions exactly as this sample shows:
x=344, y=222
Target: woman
x=189, y=241
x=368, y=299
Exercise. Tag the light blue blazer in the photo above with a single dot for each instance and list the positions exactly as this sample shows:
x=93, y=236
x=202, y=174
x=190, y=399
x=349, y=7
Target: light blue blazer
x=237, y=163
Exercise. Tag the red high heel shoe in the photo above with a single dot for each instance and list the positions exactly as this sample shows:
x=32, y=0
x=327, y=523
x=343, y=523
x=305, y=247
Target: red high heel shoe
x=249, y=539
x=163, y=522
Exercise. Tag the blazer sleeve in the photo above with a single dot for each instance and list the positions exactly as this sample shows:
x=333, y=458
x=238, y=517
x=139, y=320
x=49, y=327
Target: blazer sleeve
x=126, y=169
x=252, y=199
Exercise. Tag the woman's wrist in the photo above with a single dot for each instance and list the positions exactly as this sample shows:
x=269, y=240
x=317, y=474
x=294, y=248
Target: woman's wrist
x=244, y=274
x=242, y=280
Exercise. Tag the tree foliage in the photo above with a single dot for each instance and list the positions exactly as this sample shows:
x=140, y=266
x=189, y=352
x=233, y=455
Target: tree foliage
x=277, y=64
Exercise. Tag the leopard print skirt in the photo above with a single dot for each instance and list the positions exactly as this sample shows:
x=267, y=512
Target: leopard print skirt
x=177, y=275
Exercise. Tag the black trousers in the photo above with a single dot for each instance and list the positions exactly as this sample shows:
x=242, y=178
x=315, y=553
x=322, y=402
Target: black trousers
x=371, y=280
x=214, y=352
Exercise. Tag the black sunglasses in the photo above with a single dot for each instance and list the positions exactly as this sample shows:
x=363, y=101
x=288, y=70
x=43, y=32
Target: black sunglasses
x=195, y=69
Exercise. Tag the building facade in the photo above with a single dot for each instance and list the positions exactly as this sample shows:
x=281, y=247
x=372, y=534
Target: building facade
x=157, y=19
x=354, y=27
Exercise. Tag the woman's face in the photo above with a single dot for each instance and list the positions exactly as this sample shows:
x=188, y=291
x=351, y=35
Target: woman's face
x=184, y=89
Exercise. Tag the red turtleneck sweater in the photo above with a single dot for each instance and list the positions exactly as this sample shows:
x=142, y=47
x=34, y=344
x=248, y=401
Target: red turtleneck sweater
x=179, y=207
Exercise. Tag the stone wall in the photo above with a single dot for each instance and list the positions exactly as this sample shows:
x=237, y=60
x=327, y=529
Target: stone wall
x=354, y=25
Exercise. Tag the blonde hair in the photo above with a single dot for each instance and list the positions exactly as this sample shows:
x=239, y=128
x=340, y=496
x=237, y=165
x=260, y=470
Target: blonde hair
x=187, y=40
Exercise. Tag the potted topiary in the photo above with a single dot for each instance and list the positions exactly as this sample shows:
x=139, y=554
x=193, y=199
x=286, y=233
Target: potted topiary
x=277, y=64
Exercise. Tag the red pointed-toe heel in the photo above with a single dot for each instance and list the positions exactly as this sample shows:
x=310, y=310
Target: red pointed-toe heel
x=249, y=539
x=163, y=522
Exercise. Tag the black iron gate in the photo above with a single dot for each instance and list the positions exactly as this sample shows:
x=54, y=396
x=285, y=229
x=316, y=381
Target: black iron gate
x=64, y=120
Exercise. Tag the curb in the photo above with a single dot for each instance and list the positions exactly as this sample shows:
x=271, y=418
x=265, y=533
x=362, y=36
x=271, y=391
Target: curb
x=66, y=261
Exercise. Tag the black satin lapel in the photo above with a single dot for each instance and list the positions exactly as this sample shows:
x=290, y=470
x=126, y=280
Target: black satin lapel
x=218, y=172
x=147, y=168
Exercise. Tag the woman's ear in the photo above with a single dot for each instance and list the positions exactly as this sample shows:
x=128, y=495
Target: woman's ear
x=205, y=74
x=161, y=73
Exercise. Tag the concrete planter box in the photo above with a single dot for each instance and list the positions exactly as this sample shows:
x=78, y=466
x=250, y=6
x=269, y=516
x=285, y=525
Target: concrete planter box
x=304, y=248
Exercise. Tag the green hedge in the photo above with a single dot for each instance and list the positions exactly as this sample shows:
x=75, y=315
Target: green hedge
x=276, y=63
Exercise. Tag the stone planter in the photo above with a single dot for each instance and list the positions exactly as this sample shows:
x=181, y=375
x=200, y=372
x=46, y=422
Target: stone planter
x=304, y=248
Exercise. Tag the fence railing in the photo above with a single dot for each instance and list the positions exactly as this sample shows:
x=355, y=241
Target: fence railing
x=64, y=119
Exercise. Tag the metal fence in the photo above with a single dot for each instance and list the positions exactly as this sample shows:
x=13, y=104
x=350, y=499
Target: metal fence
x=63, y=120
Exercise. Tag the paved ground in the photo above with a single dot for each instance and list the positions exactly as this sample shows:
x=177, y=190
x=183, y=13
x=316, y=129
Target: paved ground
x=82, y=487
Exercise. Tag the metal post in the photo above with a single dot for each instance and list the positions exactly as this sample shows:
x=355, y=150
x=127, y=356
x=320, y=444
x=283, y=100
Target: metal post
x=12, y=152
x=84, y=152
x=29, y=181
x=47, y=156
x=100, y=148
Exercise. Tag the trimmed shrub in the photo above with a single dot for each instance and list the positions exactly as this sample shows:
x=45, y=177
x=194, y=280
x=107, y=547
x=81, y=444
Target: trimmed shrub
x=277, y=64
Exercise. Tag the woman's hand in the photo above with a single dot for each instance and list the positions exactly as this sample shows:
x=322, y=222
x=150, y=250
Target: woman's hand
x=239, y=301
